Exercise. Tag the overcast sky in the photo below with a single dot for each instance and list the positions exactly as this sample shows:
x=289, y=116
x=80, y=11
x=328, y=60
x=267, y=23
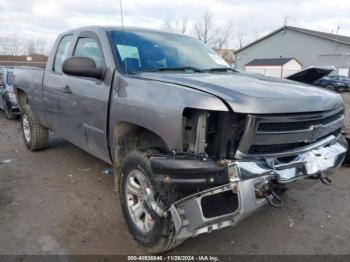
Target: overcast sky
x=46, y=18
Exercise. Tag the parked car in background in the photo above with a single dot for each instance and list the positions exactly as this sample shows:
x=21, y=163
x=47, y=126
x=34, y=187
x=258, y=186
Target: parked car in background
x=8, y=101
x=334, y=82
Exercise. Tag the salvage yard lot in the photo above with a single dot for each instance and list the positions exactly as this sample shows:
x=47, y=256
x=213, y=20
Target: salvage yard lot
x=59, y=201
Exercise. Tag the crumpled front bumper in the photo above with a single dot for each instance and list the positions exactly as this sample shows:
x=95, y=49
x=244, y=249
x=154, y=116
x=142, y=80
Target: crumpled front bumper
x=191, y=218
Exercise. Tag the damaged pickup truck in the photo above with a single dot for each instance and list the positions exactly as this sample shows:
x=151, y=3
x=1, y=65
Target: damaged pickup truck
x=196, y=146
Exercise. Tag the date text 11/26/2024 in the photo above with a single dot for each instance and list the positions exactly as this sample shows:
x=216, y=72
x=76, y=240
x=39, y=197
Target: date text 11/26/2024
x=174, y=258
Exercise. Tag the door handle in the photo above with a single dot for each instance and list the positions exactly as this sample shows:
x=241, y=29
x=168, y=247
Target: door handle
x=67, y=90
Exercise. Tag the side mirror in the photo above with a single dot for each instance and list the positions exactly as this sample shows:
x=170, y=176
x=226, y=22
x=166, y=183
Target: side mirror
x=81, y=66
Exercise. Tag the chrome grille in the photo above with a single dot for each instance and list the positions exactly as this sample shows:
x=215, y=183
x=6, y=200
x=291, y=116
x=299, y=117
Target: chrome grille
x=301, y=125
x=282, y=148
x=288, y=134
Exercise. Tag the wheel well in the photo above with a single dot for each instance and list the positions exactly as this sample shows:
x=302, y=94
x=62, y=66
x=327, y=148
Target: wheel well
x=129, y=137
x=21, y=98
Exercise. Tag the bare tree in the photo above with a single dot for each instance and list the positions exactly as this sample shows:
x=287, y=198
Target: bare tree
x=256, y=34
x=223, y=38
x=241, y=37
x=29, y=46
x=14, y=46
x=177, y=26
x=10, y=45
x=205, y=30
x=41, y=46
x=37, y=46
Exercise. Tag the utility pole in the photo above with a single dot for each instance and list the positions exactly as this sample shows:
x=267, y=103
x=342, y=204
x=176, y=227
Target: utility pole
x=336, y=39
x=337, y=32
x=285, y=21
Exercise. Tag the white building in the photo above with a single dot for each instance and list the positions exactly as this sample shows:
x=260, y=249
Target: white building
x=309, y=47
x=276, y=67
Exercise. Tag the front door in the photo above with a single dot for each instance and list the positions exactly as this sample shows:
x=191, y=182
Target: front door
x=87, y=111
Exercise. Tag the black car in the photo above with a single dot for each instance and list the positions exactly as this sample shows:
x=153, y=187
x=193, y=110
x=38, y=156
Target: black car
x=334, y=82
x=8, y=101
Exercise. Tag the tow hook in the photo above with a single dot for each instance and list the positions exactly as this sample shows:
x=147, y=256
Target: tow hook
x=325, y=180
x=263, y=190
x=273, y=199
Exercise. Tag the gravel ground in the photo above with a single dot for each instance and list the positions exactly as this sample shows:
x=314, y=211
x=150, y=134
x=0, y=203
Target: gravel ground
x=58, y=201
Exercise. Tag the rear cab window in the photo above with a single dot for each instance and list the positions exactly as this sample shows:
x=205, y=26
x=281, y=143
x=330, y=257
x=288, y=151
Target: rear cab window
x=10, y=78
x=128, y=51
x=2, y=79
x=62, y=53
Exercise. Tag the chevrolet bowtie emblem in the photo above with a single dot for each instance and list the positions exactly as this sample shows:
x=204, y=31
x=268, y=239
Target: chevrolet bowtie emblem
x=315, y=133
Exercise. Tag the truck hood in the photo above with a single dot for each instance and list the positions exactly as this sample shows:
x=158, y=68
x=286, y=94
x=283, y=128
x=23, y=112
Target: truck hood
x=254, y=93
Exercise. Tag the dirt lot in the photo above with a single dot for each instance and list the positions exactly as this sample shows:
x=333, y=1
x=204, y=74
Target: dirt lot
x=59, y=202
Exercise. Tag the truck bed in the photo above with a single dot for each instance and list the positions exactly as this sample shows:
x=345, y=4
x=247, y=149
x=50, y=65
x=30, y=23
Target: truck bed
x=30, y=80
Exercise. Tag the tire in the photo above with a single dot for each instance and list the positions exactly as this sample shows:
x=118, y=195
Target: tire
x=8, y=114
x=35, y=135
x=331, y=87
x=160, y=236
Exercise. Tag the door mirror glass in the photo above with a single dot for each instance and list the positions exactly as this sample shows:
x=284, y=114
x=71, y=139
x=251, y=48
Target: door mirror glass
x=82, y=66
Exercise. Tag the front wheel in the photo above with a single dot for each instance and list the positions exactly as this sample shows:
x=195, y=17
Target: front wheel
x=35, y=135
x=138, y=193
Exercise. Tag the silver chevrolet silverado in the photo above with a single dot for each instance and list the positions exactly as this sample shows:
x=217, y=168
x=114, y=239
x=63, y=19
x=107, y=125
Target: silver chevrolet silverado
x=196, y=146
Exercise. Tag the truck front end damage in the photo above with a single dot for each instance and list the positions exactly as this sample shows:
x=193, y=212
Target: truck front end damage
x=233, y=165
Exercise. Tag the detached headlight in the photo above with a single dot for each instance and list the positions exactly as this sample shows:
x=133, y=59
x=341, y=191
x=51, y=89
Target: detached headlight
x=12, y=96
x=234, y=172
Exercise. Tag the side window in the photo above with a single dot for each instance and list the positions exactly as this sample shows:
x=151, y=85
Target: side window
x=128, y=51
x=10, y=78
x=62, y=53
x=2, y=79
x=88, y=47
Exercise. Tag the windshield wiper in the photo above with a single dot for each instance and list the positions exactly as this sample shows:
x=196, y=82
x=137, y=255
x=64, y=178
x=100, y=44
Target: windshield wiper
x=182, y=68
x=220, y=69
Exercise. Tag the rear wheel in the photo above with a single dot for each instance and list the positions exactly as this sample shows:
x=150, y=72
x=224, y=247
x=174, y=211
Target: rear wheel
x=138, y=193
x=35, y=135
x=8, y=114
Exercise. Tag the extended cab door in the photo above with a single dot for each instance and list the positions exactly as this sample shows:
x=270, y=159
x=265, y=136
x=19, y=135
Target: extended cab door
x=86, y=113
x=55, y=100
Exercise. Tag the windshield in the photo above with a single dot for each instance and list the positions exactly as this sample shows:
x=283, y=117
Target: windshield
x=343, y=78
x=152, y=51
